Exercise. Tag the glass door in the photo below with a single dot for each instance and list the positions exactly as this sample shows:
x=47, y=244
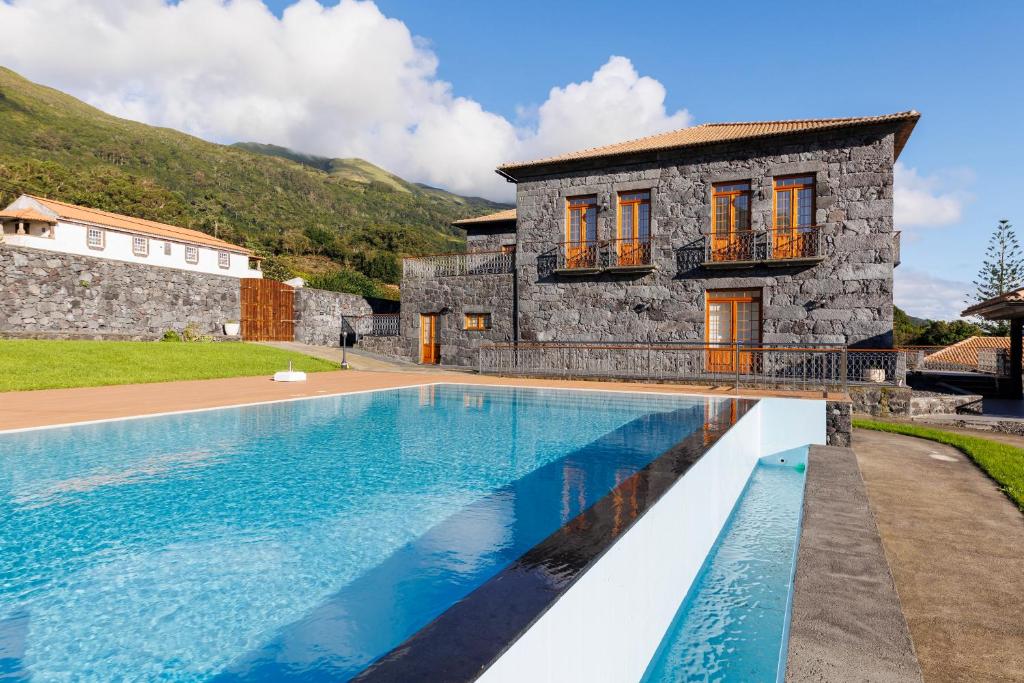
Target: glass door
x=430, y=350
x=733, y=330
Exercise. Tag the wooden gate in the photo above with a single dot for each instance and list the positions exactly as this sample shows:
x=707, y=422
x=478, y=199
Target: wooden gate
x=268, y=310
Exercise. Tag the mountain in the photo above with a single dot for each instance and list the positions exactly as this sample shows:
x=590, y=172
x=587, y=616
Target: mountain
x=308, y=214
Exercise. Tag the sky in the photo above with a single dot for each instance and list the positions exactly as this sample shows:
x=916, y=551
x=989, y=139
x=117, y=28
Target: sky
x=442, y=91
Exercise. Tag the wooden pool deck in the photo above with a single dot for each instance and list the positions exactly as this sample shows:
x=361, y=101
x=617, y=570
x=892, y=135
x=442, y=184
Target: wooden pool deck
x=26, y=409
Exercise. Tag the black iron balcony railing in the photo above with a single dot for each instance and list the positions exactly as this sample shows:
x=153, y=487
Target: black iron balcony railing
x=579, y=256
x=628, y=253
x=600, y=255
x=779, y=245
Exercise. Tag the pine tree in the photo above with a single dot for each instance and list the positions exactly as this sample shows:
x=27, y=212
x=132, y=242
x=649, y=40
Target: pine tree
x=1002, y=271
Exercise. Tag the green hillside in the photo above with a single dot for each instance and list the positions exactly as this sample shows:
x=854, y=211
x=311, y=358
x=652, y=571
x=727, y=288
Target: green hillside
x=308, y=214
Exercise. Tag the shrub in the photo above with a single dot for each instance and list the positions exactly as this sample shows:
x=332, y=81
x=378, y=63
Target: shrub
x=191, y=333
x=171, y=336
x=347, y=280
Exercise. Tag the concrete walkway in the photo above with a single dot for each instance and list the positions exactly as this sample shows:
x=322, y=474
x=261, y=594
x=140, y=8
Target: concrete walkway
x=955, y=544
x=847, y=624
x=358, y=360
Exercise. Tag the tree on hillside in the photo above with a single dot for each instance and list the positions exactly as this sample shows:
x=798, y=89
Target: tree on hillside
x=905, y=332
x=1002, y=271
x=942, y=333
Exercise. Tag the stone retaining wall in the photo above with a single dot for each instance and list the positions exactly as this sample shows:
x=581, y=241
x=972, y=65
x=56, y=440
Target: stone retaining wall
x=880, y=401
x=392, y=347
x=838, y=423
x=45, y=293
x=318, y=315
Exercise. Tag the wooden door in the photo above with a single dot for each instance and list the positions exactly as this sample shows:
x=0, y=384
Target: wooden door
x=581, y=233
x=733, y=330
x=634, y=243
x=268, y=310
x=794, y=217
x=730, y=222
x=430, y=350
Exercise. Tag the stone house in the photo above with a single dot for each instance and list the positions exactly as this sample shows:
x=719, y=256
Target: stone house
x=776, y=232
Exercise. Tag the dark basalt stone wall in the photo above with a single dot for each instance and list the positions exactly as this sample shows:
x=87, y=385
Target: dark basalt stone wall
x=45, y=293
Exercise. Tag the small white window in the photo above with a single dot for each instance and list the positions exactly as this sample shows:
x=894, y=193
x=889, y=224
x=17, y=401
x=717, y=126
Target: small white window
x=94, y=238
x=140, y=246
x=223, y=259
x=191, y=254
x=167, y=248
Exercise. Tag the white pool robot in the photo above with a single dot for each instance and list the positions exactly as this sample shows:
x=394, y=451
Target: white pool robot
x=290, y=375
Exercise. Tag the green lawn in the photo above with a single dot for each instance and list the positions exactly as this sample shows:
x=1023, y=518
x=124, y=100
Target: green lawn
x=36, y=364
x=1002, y=462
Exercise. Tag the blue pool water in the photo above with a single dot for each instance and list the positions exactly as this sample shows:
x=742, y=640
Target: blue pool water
x=294, y=540
x=732, y=626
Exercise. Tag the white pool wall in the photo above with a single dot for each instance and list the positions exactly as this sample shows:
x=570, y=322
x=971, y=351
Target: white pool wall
x=608, y=625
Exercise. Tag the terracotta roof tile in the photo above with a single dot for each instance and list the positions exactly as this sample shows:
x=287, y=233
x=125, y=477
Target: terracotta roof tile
x=27, y=215
x=506, y=215
x=710, y=133
x=75, y=213
x=983, y=307
x=965, y=352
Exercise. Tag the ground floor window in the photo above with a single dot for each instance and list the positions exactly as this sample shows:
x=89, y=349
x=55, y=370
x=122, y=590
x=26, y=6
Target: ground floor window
x=224, y=259
x=140, y=246
x=478, y=321
x=191, y=254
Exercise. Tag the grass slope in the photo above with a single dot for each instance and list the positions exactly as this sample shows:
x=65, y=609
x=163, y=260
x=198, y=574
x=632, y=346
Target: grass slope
x=275, y=200
x=37, y=364
x=1002, y=462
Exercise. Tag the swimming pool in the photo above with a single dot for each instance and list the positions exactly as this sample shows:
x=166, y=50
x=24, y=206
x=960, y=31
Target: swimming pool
x=733, y=624
x=307, y=540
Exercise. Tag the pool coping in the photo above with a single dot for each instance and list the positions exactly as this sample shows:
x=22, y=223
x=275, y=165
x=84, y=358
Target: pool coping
x=847, y=621
x=186, y=411
x=468, y=638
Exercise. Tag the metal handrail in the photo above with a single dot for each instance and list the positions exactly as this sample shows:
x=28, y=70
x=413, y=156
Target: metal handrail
x=451, y=265
x=804, y=367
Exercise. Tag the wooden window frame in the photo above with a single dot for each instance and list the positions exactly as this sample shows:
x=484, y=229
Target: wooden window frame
x=636, y=204
x=794, y=206
x=144, y=249
x=103, y=238
x=193, y=250
x=224, y=260
x=733, y=295
x=732, y=195
x=476, y=322
x=582, y=208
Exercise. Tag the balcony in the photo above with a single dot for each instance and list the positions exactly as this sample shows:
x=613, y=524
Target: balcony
x=604, y=256
x=779, y=247
x=455, y=265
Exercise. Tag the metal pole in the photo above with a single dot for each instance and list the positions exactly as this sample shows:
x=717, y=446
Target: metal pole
x=736, y=363
x=843, y=368
x=344, y=344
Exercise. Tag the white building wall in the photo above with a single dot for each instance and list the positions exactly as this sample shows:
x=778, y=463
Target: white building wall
x=71, y=238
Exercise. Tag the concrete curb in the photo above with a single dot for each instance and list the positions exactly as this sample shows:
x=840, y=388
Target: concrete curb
x=847, y=622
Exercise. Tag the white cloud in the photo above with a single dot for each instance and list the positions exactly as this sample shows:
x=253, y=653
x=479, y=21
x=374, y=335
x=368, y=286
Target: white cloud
x=929, y=200
x=924, y=295
x=338, y=81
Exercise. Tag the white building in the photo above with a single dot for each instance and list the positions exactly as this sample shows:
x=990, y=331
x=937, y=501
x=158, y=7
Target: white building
x=56, y=226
